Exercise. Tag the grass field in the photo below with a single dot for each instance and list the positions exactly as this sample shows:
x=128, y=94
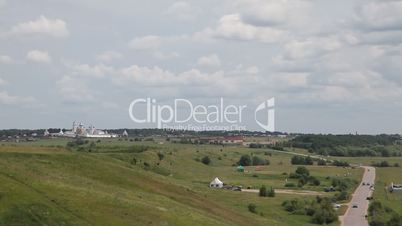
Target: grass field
x=43, y=183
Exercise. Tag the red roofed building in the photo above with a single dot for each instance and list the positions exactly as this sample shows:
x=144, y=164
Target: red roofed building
x=232, y=140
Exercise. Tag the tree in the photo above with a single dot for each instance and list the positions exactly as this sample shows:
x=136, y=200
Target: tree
x=263, y=191
x=161, y=156
x=321, y=162
x=206, y=160
x=308, y=161
x=258, y=161
x=271, y=192
x=245, y=160
x=301, y=170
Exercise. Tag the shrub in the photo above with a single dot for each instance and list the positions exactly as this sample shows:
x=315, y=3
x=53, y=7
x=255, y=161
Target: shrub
x=301, y=170
x=300, y=160
x=252, y=208
x=258, y=161
x=314, y=181
x=271, y=192
x=206, y=160
x=290, y=185
x=381, y=164
x=340, y=163
x=320, y=209
x=160, y=156
x=341, y=196
x=321, y=162
x=263, y=191
x=245, y=160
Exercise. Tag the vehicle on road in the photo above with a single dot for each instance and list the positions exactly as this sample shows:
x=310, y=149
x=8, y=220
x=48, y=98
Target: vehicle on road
x=355, y=206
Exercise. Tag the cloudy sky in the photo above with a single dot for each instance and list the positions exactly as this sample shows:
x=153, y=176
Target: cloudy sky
x=333, y=66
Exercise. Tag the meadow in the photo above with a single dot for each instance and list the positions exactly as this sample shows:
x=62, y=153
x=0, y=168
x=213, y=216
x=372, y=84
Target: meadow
x=119, y=182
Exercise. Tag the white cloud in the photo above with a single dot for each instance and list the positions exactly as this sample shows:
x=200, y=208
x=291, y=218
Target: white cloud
x=380, y=15
x=74, y=90
x=38, y=56
x=41, y=26
x=263, y=12
x=8, y=99
x=99, y=70
x=252, y=70
x=311, y=47
x=109, y=56
x=183, y=11
x=274, y=12
x=3, y=3
x=164, y=56
x=2, y=82
x=232, y=27
x=150, y=42
x=6, y=59
x=212, y=61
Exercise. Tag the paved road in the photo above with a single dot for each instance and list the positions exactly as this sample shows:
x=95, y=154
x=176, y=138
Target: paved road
x=356, y=216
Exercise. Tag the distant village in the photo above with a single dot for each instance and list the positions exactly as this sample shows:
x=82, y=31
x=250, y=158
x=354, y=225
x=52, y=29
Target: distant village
x=79, y=130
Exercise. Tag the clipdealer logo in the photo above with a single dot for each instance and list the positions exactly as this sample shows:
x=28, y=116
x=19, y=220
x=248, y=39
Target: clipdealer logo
x=182, y=113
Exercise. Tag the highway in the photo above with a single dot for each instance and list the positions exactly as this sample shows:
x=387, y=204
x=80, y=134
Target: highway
x=356, y=216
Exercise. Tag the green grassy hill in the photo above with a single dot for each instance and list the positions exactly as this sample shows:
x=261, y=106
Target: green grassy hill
x=43, y=183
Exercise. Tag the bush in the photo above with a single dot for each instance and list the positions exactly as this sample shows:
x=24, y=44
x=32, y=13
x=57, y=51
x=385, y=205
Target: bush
x=321, y=162
x=341, y=196
x=340, y=163
x=252, y=208
x=301, y=170
x=314, y=181
x=271, y=192
x=263, y=191
x=257, y=161
x=290, y=185
x=206, y=160
x=300, y=160
x=245, y=160
x=160, y=156
x=381, y=164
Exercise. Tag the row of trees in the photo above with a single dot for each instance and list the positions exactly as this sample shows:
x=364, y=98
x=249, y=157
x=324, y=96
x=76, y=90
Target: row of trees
x=301, y=160
x=347, y=145
x=247, y=160
x=384, y=164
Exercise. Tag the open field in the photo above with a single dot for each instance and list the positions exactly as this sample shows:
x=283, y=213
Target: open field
x=45, y=184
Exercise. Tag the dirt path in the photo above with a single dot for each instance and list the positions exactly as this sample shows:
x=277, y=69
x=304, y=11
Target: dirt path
x=285, y=191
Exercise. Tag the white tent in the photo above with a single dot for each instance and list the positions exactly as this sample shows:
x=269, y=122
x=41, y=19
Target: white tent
x=216, y=183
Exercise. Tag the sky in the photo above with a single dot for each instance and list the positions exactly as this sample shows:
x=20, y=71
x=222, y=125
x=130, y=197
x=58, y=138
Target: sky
x=332, y=66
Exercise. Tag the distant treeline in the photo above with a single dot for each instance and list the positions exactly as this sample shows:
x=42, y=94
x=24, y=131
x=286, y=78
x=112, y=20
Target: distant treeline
x=144, y=132
x=166, y=132
x=348, y=145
